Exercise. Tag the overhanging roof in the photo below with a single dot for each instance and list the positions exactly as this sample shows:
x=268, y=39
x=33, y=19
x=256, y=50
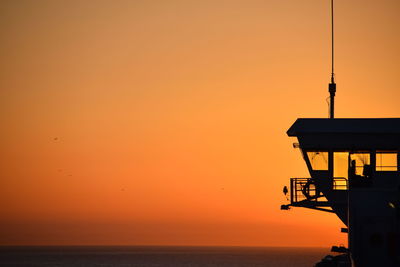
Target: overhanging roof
x=381, y=126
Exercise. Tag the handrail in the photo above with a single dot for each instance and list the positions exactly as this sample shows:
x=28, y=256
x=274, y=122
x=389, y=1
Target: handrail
x=304, y=189
x=340, y=186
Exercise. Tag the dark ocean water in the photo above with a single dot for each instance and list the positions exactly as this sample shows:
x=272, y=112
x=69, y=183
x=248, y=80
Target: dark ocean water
x=160, y=256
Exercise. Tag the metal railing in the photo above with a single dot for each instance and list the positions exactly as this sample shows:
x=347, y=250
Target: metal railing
x=305, y=189
x=340, y=183
x=298, y=188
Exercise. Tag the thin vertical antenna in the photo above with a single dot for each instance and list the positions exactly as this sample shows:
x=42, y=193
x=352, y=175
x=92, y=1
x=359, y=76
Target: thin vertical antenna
x=333, y=43
x=332, y=85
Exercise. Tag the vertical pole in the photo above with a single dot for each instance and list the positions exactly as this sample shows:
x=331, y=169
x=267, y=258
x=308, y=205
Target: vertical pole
x=332, y=91
x=291, y=190
x=331, y=166
x=332, y=85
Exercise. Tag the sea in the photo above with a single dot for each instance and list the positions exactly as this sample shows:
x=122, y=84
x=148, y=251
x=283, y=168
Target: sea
x=157, y=256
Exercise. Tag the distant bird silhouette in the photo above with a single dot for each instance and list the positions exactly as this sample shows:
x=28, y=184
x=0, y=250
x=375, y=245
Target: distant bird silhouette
x=55, y=138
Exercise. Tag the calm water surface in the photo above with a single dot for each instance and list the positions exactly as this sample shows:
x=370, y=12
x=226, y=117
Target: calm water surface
x=160, y=256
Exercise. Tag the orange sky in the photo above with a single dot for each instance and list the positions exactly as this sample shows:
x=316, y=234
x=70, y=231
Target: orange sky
x=163, y=122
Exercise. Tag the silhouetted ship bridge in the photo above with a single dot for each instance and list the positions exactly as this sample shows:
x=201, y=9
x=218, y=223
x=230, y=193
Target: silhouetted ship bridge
x=354, y=169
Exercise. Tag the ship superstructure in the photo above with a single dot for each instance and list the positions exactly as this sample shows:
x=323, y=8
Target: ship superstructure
x=354, y=168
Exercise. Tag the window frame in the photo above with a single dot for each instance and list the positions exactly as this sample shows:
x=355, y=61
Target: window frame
x=381, y=168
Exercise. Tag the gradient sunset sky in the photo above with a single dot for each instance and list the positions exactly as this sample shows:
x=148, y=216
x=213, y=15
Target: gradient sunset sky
x=164, y=122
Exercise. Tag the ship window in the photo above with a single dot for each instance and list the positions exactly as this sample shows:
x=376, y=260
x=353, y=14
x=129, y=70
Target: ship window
x=340, y=164
x=318, y=160
x=386, y=161
x=361, y=159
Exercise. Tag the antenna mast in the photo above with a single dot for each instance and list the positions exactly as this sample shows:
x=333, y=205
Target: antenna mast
x=332, y=85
